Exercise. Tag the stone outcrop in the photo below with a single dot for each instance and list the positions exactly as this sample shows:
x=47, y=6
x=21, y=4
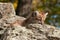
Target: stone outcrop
x=11, y=29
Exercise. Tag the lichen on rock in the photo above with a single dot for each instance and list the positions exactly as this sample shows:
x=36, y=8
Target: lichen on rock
x=11, y=28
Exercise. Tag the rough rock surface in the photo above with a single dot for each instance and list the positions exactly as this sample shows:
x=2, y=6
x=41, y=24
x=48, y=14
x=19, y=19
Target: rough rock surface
x=6, y=10
x=10, y=29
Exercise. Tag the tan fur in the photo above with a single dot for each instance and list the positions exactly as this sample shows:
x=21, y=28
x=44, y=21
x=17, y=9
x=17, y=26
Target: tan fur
x=41, y=16
x=17, y=23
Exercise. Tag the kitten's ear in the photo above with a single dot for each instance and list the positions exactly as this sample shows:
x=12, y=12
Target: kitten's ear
x=34, y=14
x=37, y=12
x=46, y=14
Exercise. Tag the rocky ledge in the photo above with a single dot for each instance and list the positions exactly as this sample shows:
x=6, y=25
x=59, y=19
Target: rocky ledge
x=11, y=29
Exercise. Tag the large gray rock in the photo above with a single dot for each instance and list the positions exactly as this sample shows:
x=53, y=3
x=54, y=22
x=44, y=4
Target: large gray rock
x=6, y=10
x=11, y=28
x=32, y=32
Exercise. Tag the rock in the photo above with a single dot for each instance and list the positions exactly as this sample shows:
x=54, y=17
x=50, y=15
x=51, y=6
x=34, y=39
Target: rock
x=33, y=32
x=11, y=28
x=19, y=33
x=50, y=32
x=6, y=10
